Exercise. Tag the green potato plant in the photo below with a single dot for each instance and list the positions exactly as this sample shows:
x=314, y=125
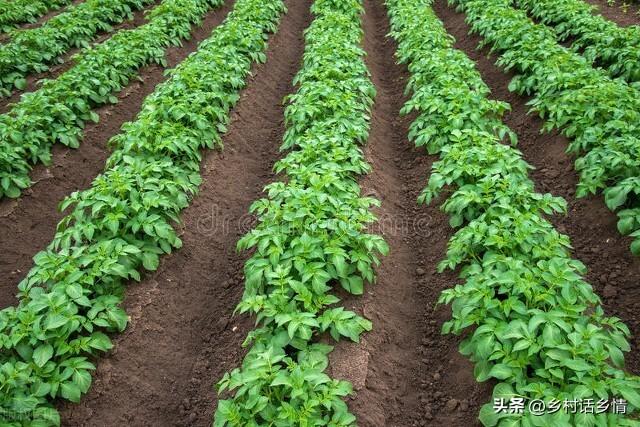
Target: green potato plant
x=59, y=110
x=601, y=41
x=531, y=321
x=16, y=12
x=123, y=223
x=311, y=236
x=33, y=50
x=599, y=114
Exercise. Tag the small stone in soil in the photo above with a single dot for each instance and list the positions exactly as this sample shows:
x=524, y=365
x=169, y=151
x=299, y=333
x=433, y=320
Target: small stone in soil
x=451, y=405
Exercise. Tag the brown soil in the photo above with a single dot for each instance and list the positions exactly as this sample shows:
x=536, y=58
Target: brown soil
x=182, y=336
x=612, y=269
x=404, y=371
x=22, y=221
x=616, y=13
x=34, y=81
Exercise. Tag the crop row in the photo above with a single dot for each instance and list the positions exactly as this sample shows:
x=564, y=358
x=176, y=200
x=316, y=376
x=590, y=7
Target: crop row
x=532, y=322
x=599, y=114
x=16, y=12
x=601, y=41
x=123, y=222
x=58, y=111
x=311, y=236
x=31, y=51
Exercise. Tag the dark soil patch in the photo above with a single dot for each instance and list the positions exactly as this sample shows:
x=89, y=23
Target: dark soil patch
x=616, y=13
x=404, y=371
x=34, y=81
x=182, y=336
x=28, y=224
x=612, y=269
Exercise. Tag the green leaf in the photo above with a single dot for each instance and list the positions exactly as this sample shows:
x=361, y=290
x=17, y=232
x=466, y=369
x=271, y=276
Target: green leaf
x=150, y=261
x=616, y=197
x=488, y=416
x=42, y=354
x=82, y=379
x=616, y=356
x=631, y=395
x=20, y=83
x=577, y=364
x=340, y=264
x=355, y=285
x=70, y=391
x=74, y=291
x=501, y=371
x=100, y=341
x=626, y=225
x=55, y=321
x=12, y=192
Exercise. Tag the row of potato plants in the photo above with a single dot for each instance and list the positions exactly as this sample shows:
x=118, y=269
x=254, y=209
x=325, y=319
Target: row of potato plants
x=33, y=50
x=58, y=111
x=601, y=41
x=599, y=114
x=311, y=236
x=16, y=12
x=531, y=322
x=123, y=223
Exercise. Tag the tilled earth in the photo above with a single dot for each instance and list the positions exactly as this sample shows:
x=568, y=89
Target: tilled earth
x=182, y=336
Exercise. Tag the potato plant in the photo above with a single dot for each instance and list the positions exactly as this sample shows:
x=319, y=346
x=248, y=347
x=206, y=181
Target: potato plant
x=311, y=236
x=33, y=50
x=122, y=224
x=58, y=111
x=601, y=41
x=532, y=323
x=599, y=114
x=16, y=12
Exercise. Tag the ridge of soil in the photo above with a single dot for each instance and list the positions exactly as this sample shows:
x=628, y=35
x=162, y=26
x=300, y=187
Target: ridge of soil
x=29, y=222
x=405, y=373
x=182, y=336
x=612, y=269
x=35, y=80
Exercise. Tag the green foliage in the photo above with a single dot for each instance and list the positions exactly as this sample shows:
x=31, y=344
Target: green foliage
x=59, y=110
x=16, y=12
x=30, y=51
x=311, y=236
x=123, y=223
x=599, y=114
x=533, y=323
x=601, y=41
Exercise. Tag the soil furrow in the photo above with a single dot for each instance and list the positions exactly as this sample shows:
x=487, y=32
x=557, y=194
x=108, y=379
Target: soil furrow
x=404, y=371
x=612, y=269
x=182, y=336
x=28, y=224
x=34, y=80
x=616, y=12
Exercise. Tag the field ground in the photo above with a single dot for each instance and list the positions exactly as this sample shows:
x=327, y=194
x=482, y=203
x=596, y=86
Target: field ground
x=616, y=14
x=182, y=335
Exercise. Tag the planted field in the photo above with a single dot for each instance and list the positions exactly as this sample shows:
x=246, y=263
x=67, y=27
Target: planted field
x=319, y=212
